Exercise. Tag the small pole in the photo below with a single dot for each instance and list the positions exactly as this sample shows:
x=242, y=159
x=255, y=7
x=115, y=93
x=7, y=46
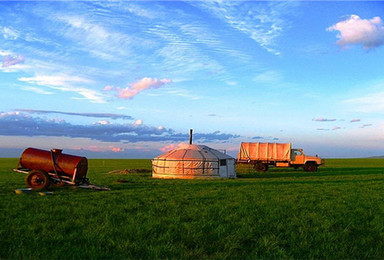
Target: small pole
x=190, y=136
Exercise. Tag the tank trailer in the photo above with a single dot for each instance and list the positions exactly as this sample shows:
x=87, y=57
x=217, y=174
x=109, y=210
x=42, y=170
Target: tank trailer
x=45, y=168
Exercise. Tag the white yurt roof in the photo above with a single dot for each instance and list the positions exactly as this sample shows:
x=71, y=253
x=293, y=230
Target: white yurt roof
x=194, y=152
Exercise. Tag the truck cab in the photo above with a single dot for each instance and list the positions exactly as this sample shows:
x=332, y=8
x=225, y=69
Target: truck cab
x=309, y=163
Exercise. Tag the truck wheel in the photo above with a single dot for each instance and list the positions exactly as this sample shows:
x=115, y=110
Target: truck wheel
x=37, y=180
x=310, y=167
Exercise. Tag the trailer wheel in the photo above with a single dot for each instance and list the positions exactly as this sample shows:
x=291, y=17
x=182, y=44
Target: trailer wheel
x=37, y=180
x=261, y=167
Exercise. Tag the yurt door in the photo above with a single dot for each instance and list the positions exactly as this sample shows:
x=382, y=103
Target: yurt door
x=223, y=172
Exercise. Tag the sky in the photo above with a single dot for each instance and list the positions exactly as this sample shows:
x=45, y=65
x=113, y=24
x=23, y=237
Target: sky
x=128, y=79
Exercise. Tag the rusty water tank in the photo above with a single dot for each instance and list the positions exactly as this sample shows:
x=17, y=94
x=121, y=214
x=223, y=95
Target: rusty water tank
x=70, y=165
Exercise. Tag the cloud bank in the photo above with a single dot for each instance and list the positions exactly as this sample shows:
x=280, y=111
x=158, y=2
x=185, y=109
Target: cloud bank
x=354, y=30
x=20, y=124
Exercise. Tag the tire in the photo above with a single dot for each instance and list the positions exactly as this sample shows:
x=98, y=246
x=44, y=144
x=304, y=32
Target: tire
x=37, y=180
x=261, y=167
x=310, y=167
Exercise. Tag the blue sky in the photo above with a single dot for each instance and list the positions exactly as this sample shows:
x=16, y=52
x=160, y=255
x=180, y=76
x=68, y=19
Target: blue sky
x=128, y=79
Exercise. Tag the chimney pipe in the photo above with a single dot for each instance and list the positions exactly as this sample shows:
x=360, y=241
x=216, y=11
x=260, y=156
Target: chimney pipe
x=190, y=136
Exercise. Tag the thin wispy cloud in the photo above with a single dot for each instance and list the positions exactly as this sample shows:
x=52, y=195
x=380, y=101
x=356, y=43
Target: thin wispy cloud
x=354, y=30
x=66, y=83
x=372, y=102
x=177, y=53
x=261, y=23
x=270, y=76
x=355, y=120
x=98, y=40
x=9, y=33
x=37, y=90
x=95, y=115
x=184, y=93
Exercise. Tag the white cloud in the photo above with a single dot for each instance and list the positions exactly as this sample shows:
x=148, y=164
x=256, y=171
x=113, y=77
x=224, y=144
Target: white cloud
x=11, y=113
x=231, y=83
x=354, y=30
x=268, y=77
x=9, y=33
x=66, y=83
x=102, y=122
x=15, y=68
x=57, y=80
x=5, y=53
x=37, y=90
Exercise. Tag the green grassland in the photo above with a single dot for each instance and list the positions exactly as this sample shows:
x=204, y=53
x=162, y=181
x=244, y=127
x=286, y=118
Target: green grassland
x=335, y=213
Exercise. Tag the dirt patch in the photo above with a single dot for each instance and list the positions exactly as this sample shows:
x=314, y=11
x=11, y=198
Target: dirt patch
x=129, y=171
x=122, y=181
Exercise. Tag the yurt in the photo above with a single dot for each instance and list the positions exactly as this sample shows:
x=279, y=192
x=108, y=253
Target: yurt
x=193, y=162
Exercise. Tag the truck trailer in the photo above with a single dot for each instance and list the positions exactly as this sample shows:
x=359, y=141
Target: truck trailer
x=264, y=155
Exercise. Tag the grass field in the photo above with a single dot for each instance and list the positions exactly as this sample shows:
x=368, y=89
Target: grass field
x=335, y=213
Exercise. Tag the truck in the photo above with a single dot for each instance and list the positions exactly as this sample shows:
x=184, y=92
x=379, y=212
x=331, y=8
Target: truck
x=264, y=155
